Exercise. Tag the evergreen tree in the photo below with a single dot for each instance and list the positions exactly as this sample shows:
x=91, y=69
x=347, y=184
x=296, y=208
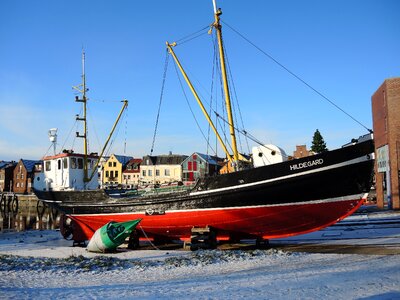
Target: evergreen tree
x=318, y=143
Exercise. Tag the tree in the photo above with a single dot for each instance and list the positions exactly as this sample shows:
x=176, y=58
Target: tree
x=318, y=143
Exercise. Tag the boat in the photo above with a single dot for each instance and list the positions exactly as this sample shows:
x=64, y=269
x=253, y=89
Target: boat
x=252, y=200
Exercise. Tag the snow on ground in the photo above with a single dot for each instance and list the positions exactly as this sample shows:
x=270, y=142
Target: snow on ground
x=40, y=264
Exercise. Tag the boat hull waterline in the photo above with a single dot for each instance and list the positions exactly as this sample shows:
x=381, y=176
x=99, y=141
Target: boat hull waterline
x=280, y=200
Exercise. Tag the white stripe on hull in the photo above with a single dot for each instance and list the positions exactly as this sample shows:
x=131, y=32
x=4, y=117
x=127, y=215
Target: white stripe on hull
x=235, y=187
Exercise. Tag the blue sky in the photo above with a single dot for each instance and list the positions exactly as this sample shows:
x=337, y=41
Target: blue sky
x=344, y=49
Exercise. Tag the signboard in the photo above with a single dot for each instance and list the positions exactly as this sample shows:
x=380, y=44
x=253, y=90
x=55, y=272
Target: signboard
x=382, y=159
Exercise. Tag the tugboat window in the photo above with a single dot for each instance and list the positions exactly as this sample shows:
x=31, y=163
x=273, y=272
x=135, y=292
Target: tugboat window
x=59, y=164
x=65, y=163
x=73, y=163
x=80, y=163
x=48, y=165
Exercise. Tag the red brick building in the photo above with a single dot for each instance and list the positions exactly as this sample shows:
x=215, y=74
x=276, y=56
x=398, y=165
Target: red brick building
x=386, y=122
x=24, y=174
x=301, y=151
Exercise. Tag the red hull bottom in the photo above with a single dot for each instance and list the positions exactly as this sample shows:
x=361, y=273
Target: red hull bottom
x=265, y=222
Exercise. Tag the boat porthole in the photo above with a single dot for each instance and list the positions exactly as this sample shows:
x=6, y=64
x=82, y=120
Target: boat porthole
x=273, y=152
x=260, y=154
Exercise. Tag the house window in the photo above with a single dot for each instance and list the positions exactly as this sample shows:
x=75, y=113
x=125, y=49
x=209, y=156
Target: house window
x=65, y=163
x=17, y=184
x=17, y=176
x=116, y=173
x=107, y=174
x=150, y=172
x=48, y=165
x=167, y=172
x=22, y=184
x=22, y=176
x=157, y=172
x=80, y=163
x=73, y=163
x=114, y=164
x=112, y=174
x=144, y=173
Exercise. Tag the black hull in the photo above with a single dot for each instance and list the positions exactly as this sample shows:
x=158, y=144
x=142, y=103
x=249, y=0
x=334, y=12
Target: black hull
x=339, y=173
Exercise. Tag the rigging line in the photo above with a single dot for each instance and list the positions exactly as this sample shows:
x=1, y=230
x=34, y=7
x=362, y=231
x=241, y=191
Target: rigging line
x=244, y=132
x=231, y=84
x=116, y=134
x=190, y=35
x=297, y=77
x=94, y=128
x=70, y=131
x=190, y=108
x=159, y=104
x=104, y=101
x=237, y=99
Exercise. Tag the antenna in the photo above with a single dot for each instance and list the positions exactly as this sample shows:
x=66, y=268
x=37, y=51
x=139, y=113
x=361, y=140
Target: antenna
x=53, y=138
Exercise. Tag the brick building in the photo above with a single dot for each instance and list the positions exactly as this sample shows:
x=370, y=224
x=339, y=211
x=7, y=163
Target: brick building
x=386, y=123
x=24, y=175
x=6, y=175
x=301, y=151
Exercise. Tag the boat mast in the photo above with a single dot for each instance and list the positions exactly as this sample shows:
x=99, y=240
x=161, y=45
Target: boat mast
x=171, y=51
x=217, y=26
x=82, y=89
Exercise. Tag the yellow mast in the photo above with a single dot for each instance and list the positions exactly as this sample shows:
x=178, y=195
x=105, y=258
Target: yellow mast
x=125, y=105
x=217, y=26
x=83, y=91
x=170, y=50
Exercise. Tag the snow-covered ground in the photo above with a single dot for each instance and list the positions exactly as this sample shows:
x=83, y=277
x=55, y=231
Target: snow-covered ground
x=40, y=264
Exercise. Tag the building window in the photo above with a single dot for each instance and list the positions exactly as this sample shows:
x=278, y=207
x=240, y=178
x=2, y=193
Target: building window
x=48, y=165
x=150, y=172
x=114, y=164
x=112, y=174
x=144, y=173
x=157, y=172
x=110, y=164
x=22, y=176
x=107, y=174
x=167, y=172
x=116, y=173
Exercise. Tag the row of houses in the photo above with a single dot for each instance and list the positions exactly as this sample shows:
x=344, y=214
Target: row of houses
x=161, y=169
x=118, y=170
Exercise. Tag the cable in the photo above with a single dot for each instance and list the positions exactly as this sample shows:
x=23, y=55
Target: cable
x=297, y=77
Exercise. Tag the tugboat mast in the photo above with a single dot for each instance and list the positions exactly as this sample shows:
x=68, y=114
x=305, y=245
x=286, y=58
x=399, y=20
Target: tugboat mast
x=82, y=89
x=217, y=26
